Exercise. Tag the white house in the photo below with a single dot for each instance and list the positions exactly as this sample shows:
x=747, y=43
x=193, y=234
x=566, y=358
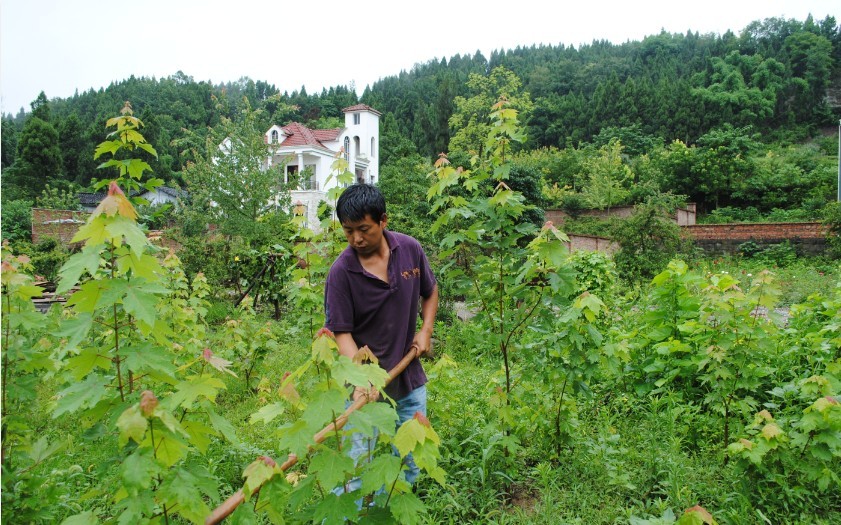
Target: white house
x=301, y=148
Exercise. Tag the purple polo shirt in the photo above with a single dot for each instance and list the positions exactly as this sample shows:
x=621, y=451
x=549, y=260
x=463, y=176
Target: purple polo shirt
x=379, y=314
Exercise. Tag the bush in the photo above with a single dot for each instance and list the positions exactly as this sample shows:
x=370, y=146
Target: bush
x=832, y=221
x=47, y=258
x=648, y=240
x=17, y=220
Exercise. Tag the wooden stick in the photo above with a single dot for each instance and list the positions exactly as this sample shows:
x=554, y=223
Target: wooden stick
x=237, y=498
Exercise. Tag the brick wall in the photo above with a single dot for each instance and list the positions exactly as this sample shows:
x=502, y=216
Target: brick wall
x=683, y=216
x=591, y=243
x=806, y=237
x=57, y=224
x=63, y=225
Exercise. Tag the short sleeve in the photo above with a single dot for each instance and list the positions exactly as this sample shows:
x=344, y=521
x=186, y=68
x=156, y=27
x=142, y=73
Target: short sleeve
x=338, y=303
x=428, y=281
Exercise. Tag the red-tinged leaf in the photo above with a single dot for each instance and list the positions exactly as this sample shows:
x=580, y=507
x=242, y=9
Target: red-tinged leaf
x=148, y=403
x=255, y=474
x=771, y=431
x=217, y=362
x=288, y=391
x=365, y=355
x=422, y=420
x=697, y=512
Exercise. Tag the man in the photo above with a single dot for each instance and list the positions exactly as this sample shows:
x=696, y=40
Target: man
x=371, y=299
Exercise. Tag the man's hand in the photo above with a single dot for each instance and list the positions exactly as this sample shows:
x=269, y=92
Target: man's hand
x=423, y=340
x=371, y=393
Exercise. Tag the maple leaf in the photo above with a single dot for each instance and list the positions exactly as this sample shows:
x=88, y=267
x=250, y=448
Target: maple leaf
x=771, y=431
x=132, y=424
x=331, y=467
x=115, y=203
x=217, y=362
x=257, y=473
x=365, y=355
x=288, y=392
x=148, y=403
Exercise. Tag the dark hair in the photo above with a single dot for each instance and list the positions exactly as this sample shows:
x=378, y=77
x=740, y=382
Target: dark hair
x=360, y=200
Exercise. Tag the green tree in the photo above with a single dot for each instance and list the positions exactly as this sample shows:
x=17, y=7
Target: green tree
x=72, y=143
x=403, y=183
x=38, y=159
x=648, y=239
x=725, y=162
x=470, y=123
x=9, y=138
x=230, y=185
x=607, y=177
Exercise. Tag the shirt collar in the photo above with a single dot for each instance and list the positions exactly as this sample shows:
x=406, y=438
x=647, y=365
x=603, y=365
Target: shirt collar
x=353, y=261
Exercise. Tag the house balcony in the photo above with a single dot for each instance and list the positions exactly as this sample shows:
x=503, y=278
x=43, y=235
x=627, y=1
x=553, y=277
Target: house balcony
x=309, y=185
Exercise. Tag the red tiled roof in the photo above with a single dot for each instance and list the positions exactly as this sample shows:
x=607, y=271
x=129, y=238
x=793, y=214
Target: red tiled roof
x=327, y=135
x=300, y=135
x=362, y=107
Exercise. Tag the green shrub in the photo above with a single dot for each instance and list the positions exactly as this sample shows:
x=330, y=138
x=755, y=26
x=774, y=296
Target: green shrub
x=16, y=220
x=832, y=221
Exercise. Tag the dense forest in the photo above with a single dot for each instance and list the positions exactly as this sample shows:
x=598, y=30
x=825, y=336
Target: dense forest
x=776, y=84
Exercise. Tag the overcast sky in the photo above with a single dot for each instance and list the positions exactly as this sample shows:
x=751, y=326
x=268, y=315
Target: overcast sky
x=60, y=46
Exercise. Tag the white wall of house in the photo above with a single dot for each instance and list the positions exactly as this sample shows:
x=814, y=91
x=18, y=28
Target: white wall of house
x=362, y=131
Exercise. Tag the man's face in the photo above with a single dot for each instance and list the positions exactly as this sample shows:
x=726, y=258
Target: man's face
x=365, y=236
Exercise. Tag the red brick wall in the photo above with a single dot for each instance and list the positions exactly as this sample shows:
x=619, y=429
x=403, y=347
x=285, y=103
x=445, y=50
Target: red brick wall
x=807, y=237
x=57, y=224
x=63, y=225
x=758, y=231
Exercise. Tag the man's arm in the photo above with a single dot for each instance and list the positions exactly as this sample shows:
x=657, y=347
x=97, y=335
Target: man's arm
x=429, y=309
x=347, y=346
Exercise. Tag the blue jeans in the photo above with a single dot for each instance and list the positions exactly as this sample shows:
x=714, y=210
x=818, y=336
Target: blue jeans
x=362, y=447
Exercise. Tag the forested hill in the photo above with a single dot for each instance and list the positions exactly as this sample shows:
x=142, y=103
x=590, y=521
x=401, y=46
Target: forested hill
x=774, y=76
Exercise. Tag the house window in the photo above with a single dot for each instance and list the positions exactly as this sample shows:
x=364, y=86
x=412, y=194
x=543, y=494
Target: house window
x=347, y=149
x=372, y=147
x=274, y=136
x=356, y=118
x=357, y=150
